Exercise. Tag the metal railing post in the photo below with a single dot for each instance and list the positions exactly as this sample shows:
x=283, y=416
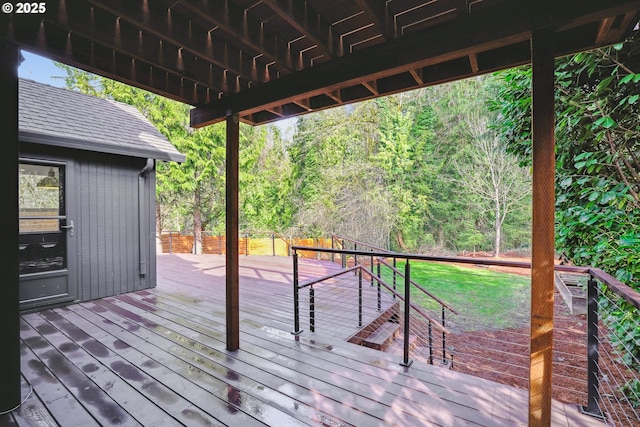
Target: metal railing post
x=344, y=256
x=312, y=309
x=379, y=290
x=593, y=408
x=407, y=308
x=296, y=296
x=371, y=264
x=333, y=256
x=360, y=297
x=444, y=340
x=355, y=257
x=394, y=276
x=430, y=344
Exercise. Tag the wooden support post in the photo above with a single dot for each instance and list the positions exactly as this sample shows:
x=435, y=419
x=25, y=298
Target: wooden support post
x=542, y=257
x=9, y=291
x=232, y=230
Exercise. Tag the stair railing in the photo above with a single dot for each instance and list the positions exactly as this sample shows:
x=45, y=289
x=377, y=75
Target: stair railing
x=410, y=309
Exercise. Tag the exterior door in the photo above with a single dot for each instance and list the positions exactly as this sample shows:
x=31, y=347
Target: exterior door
x=47, y=234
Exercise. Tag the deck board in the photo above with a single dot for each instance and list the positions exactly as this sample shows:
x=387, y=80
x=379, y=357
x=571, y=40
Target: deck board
x=54, y=395
x=98, y=402
x=158, y=357
x=245, y=364
x=353, y=377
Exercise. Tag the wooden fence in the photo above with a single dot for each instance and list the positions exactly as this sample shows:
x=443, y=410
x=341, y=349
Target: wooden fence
x=249, y=244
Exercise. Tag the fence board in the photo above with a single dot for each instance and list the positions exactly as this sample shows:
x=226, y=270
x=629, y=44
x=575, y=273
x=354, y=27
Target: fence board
x=176, y=242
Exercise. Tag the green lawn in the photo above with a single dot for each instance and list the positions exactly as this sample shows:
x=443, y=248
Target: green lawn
x=483, y=298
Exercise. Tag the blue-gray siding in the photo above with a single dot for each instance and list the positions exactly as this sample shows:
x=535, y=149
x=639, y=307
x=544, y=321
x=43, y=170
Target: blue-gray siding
x=107, y=223
x=103, y=202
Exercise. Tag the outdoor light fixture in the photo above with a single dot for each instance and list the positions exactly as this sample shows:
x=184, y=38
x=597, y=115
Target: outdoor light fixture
x=49, y=182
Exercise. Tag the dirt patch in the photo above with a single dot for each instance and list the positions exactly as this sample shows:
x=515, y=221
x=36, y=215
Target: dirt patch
x=503, y=355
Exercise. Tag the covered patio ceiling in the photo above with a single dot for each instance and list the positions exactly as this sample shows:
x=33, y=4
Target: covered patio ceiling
x=271, y=59
x=258, y=61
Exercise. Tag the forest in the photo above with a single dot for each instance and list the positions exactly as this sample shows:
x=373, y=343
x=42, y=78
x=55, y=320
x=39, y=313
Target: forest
x=444, y=169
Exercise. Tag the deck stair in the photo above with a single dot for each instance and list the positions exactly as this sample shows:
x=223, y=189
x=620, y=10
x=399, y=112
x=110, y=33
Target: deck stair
x=380, y=332
x=382, y=337
x=573, y=291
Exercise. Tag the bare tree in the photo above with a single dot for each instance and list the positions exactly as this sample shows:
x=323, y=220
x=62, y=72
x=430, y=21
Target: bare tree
x=493, y=174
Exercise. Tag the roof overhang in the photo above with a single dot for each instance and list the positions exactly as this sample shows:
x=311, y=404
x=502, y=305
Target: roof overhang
x=98, y=146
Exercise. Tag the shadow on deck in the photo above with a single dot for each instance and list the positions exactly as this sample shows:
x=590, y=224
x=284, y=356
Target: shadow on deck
x=157, y=357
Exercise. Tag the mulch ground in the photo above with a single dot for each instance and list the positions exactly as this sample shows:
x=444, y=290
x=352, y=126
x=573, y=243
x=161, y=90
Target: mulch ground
x=503, y=355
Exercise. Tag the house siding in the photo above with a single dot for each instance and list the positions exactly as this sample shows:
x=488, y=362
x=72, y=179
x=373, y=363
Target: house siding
x=108, y=224
x=104, y=205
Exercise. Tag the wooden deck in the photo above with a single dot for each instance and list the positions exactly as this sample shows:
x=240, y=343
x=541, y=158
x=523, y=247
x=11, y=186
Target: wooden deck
x=158, y=358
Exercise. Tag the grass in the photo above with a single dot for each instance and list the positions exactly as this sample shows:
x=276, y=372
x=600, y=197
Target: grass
x=484, y=298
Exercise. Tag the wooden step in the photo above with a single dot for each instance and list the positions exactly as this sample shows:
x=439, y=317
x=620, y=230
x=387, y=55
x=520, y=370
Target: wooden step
x=388, y=315
x=383, y=336
x=572, y=292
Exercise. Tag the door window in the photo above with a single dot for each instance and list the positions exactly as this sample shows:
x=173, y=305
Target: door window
x=42, y=244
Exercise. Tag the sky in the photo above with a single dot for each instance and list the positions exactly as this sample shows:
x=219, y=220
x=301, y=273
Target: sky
x=40, y=69
x=43, y=70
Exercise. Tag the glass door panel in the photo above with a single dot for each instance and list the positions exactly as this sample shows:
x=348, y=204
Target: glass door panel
x=43, y=221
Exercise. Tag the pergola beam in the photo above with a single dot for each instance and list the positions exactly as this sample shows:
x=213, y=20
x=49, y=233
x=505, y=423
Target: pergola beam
x=396, y=56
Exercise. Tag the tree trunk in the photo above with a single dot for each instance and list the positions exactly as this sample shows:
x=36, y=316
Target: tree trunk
x=401, y=240
x=498, y=231
x=197, y=227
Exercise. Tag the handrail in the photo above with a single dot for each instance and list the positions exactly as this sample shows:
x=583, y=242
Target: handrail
x=438, y=300
x=413, y=306
x=460, y=260
x=357, y=242
x=328, y=276
x=381, y=259
x=625, y=291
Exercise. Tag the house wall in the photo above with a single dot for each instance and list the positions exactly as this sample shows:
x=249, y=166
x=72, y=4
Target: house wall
x=104, y=208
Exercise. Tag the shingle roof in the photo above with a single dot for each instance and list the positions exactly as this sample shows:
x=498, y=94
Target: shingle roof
x=64, y=118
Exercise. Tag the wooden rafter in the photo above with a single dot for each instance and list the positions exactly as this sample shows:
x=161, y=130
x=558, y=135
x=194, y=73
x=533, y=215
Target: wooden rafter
x=130, y=47
x=195, y=41
x=473, y=62
x=236, y=22
x=417, y=75
x=607, y=32
x=378, y=12
x=301, y=16
x=471, y=34
x=396, y=56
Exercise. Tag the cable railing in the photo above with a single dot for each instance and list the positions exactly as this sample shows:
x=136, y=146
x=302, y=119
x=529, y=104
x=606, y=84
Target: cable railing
x=383, y=313
x=486, y=331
